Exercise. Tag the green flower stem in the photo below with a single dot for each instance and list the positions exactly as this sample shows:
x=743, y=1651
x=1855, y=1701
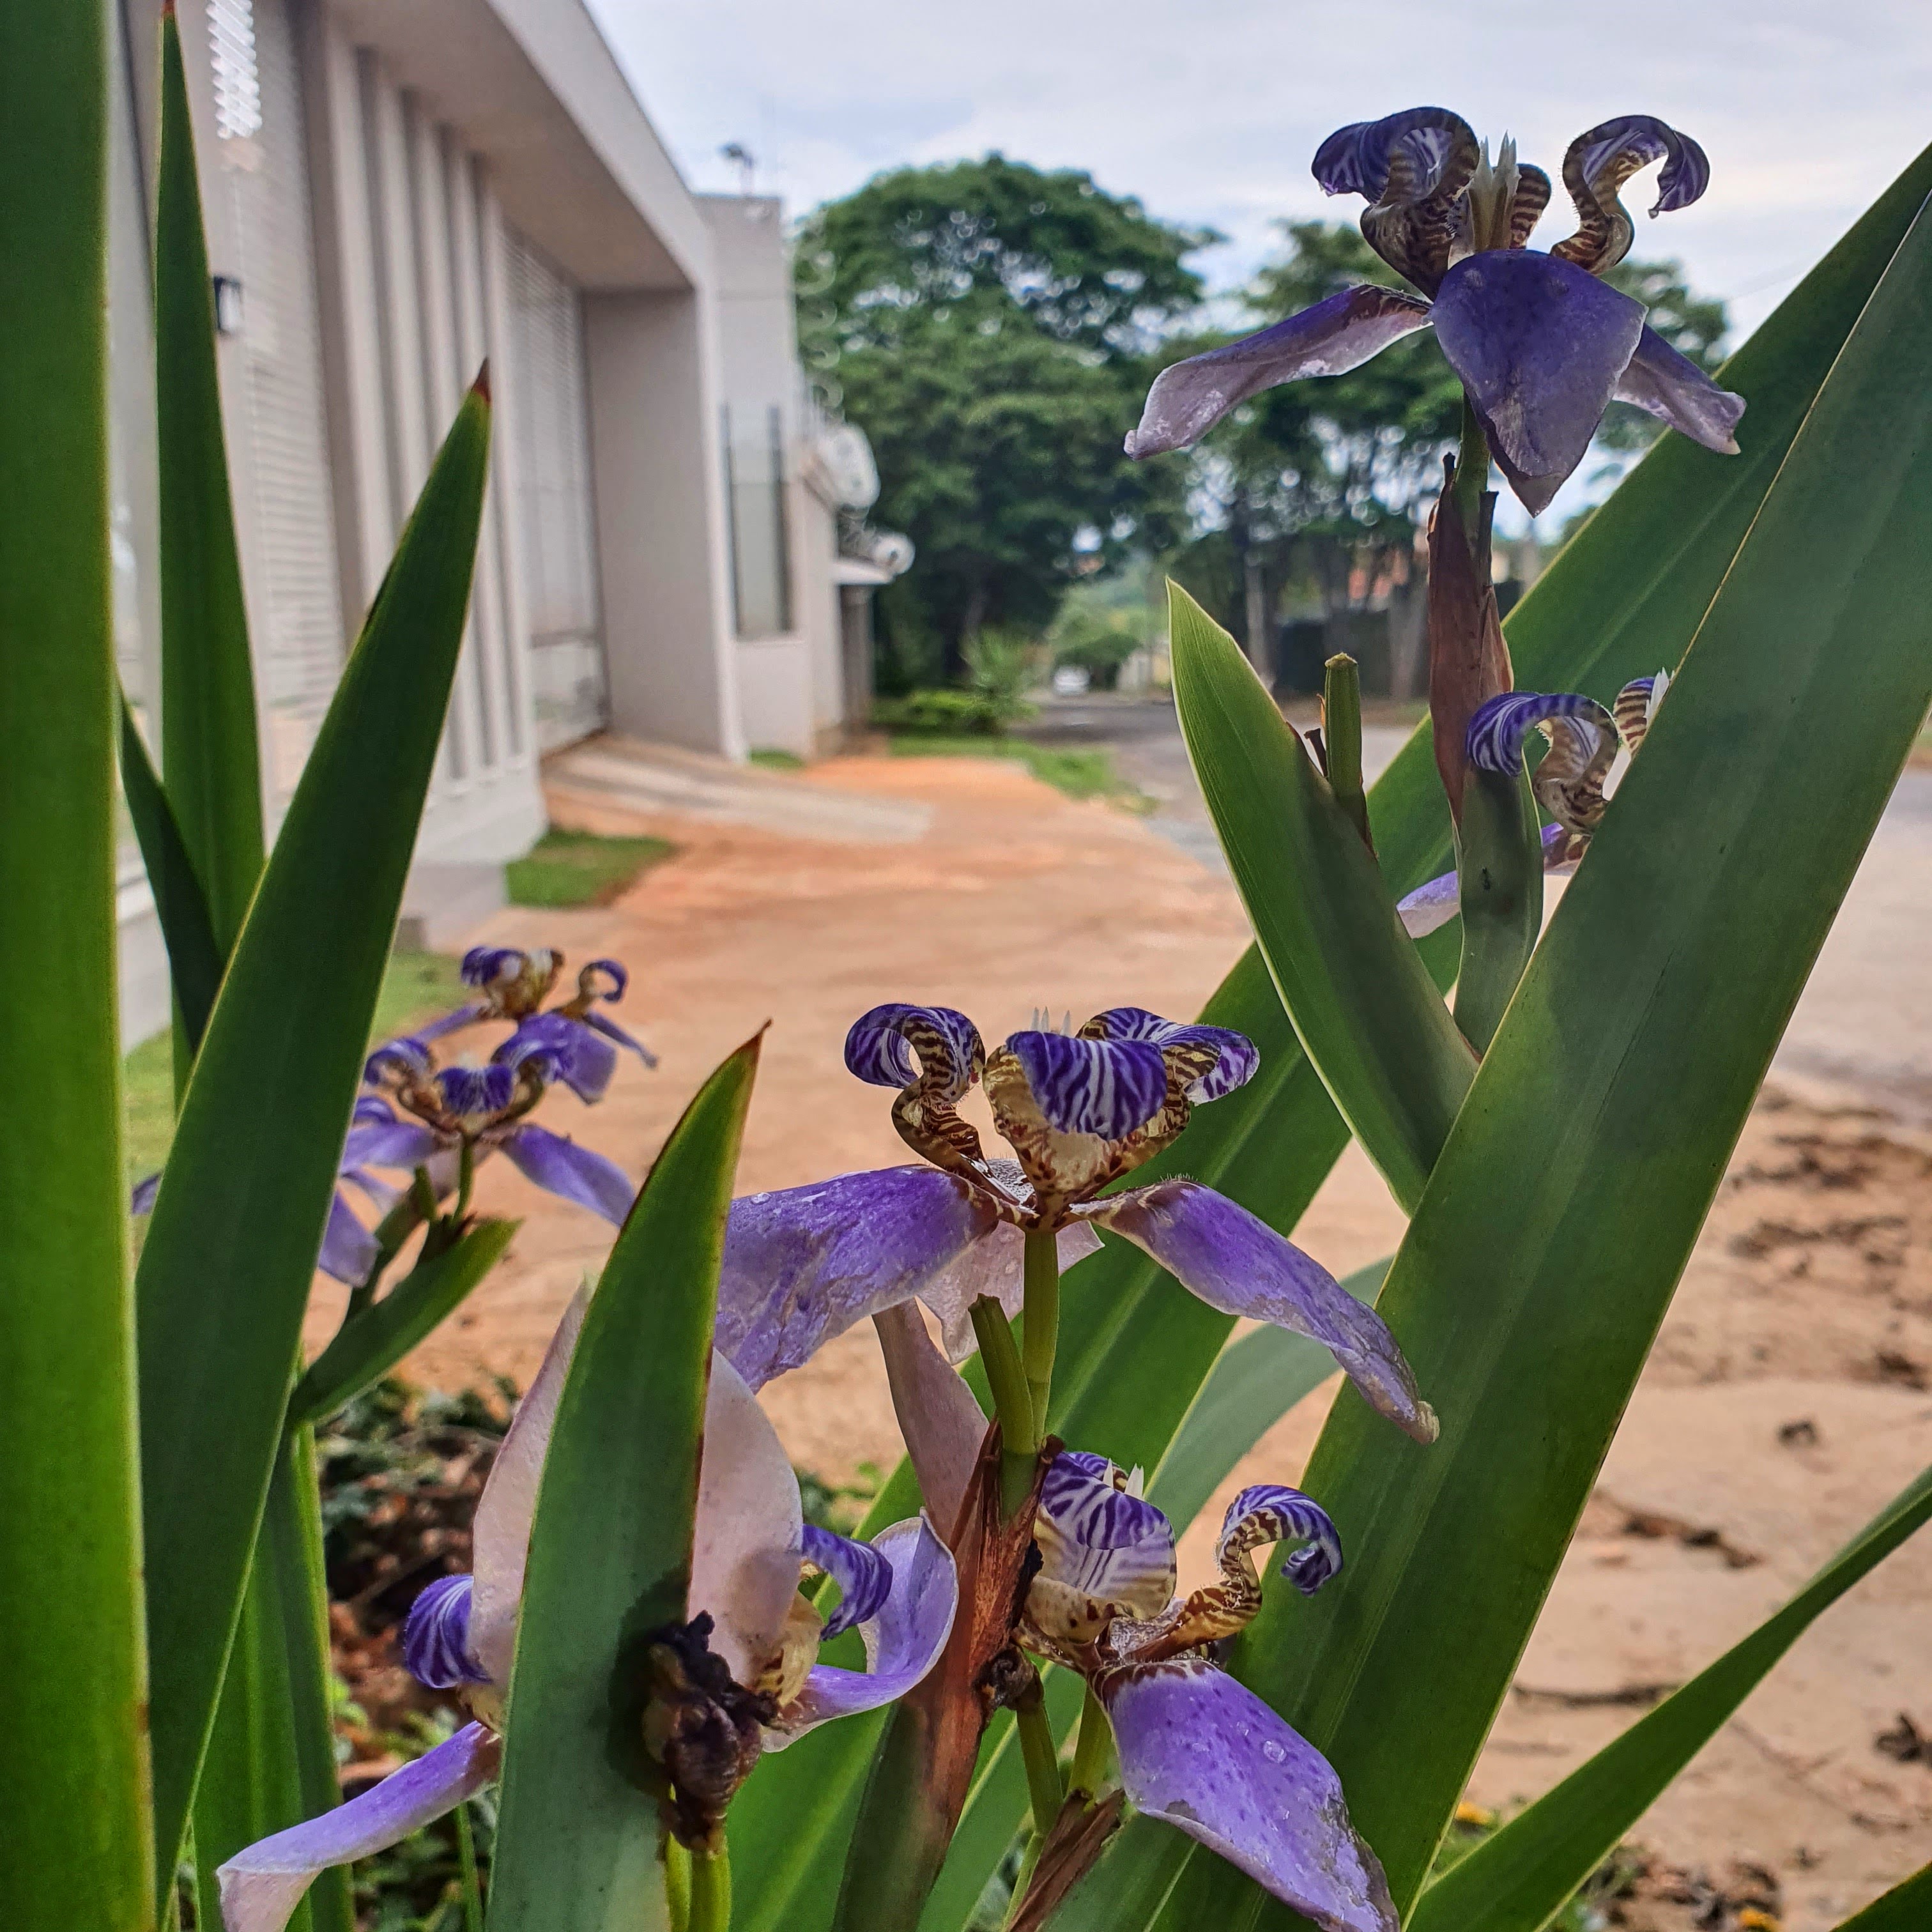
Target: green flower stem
x=1044, y=1790
x=1012, y=1401
x=1041, y=1332
x=677, y=1884
x=1023, y=1879
x=1094, y=1751
x=1342, y=732
x=711, y=1891
x=465, y=1171
x=473, y=1884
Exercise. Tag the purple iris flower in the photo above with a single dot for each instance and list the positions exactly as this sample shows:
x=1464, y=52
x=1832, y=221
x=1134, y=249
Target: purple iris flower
x=1541, y=345
x=512, y=985
x=1584, y=739
x=483, y=1109
x=1196, y=1747
x=1079, y=1110
x=750, y=1548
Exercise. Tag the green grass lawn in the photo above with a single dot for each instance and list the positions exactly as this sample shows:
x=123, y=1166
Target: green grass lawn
x=1078, y=774
x=772, y=760
x=417, y=986
x=580, y=868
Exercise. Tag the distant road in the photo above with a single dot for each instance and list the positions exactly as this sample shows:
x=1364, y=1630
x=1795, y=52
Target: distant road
x=1865, y=1019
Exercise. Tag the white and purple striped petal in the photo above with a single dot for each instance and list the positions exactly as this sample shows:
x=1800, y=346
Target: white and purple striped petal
x=864, y=1576
x=476, y=1093
x=263, y=1886
x=1233, y=1262
x=893, y=1046
x=902, y=1642
x=1105, y=1088
x=1205, y=1753
x=802, y=1264
x=1671, y=387
x=1236, y=1060
x=1423, y=141
x=436, y=1636
x=1274, y=1513
x=1500, y=725
x=1539, y=345
x=1103, y=1551
x=579, y=1175
x=1338, y=334
x=405, y=1057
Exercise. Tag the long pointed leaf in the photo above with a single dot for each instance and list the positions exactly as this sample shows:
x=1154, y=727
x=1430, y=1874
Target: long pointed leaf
x=225, y=1272
x=209, y=752
x=1906, y=1908
x=577, y=1842
x=74, y=1850
x=1623, y=596
x=1519, y=1879
x=194, y=960
x=1361, y=1000
x=1543, y=1256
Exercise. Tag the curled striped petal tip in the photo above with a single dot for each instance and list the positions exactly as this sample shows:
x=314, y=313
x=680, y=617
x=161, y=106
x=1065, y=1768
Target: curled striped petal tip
x=1414, y=169
x=1500, y=726
x=1635, y=707
x=1228, y=1059
x=405, y=1058
x=894, y=1045
x=1104, y=1087
x=861, y=1571
x=1104, y=1551
x=1273, y=1512
x=1205, y=1753
x=516, y=981
x=1601, y=159
x=436, y=1636
x=604, y=979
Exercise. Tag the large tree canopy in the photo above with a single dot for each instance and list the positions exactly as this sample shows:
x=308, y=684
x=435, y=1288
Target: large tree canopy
x=992, y=328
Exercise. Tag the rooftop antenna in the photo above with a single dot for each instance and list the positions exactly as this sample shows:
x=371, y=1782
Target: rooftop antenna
x=736, y=152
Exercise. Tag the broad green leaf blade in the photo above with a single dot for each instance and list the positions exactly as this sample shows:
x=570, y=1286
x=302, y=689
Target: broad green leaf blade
x=368, y=1345
x=1254, y=1384
x=1518, y=1880
x=209, y=754
x=1544, y=1253
x=1624, y=596
x=75, y=1850
x=194, y=960
x=576, y=1839
x=225, y=1272
x=1131, y=1887
x=271, y=1756
x=1360, y=999
x=1906, y=1908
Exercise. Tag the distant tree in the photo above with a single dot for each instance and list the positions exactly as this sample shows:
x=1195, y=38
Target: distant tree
x=992, y=328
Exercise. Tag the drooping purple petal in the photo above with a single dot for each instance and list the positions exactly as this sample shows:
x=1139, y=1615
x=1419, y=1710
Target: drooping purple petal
x=802, y=1264
x=580, y=1060
x=746, y=1536
x=902, y=1642
x=452, y=1022
x=1338, y=334
x=500, y=1533
x=1236, y=1062
x=1107, y=1088
x=939, y=1417
x=602, y=1023
x=349, y=1250
x=436, y=1636
x=1499, y=727
x=1539, y=345
x=1233, y=1261
x=378, y=1139
x=558, y=1165
x=263, y=1886
x=1205, y=1753
x=141, y=1200
x=893, y=1046
x=1274, y=1513
x=1100, y=1544
x=1672, y=388
x=864, y=1577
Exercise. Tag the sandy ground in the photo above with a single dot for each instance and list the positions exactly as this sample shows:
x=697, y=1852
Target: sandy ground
x=1786, y=1403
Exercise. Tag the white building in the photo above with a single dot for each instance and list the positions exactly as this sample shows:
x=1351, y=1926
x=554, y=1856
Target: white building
x=393, y=190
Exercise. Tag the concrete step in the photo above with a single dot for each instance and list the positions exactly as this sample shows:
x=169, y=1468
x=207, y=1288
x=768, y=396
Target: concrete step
x=653, y=779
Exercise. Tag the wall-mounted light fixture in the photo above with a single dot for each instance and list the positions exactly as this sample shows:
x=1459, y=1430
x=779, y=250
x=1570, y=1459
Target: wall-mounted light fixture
x=227, y=305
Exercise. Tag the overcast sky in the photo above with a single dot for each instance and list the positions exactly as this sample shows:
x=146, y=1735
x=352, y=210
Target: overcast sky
x=1210, y=113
